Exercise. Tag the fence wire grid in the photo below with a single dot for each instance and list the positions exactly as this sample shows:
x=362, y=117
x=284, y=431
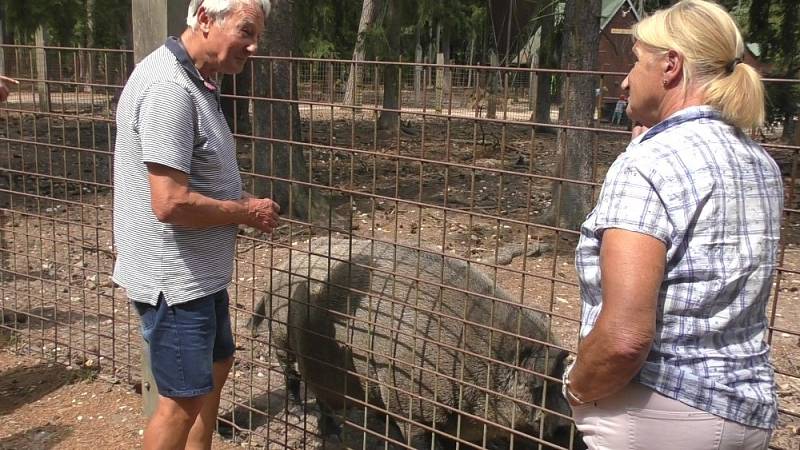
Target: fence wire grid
x=421, y=271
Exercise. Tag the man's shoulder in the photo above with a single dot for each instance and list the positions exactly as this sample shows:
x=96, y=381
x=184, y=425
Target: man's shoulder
x=158, y=72
x=158, y=67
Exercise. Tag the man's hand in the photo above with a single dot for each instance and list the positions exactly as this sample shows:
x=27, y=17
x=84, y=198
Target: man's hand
x=262, y=213
x=4, y=88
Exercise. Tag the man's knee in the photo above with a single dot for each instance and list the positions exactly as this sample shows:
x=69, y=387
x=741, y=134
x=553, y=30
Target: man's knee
x=180, y=408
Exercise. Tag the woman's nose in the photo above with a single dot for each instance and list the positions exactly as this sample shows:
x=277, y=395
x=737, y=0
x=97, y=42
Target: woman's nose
x=624, y=84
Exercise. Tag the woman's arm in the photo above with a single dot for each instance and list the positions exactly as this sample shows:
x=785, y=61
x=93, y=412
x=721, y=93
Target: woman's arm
x=632, y=269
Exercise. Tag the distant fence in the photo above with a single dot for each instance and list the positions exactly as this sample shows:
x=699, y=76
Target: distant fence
x=460, y=189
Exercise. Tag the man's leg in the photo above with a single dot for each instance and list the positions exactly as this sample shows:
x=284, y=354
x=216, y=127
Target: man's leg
x=201, y=433
x=170, y=424
x=224, y=347
x=182, y=341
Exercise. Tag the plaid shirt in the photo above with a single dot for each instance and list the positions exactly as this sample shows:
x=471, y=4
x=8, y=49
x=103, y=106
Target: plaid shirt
x=715, y=198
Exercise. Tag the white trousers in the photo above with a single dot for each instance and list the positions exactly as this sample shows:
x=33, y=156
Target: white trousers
x=638, y=418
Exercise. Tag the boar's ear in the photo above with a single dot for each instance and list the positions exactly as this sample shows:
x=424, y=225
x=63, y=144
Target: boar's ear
x=563, y=359
x=257, y=317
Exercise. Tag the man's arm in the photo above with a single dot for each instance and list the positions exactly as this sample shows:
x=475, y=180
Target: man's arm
x=3, y=88
x=632, y=269
x=173, y=202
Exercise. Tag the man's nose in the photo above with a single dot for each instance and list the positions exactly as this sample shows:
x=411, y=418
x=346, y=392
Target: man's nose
x=624, y=84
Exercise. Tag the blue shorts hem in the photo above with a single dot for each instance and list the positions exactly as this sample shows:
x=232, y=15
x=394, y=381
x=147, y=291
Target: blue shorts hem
x=186, y=393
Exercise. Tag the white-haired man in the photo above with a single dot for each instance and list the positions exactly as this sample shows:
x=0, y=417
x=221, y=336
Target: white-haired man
x=178, y=202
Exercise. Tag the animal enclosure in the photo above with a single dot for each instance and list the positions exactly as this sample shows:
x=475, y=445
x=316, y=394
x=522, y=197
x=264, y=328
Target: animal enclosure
x=424, y=247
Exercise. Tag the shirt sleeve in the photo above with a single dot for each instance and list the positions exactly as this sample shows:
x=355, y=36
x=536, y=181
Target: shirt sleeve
x=167, y=118
x=630, y=201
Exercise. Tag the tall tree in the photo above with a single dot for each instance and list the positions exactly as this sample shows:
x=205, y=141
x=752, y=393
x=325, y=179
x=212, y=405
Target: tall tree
x=369, y=12
x=773, y=25
x=389, y=117
x=549, y=55
x=580, y=51
x=277, y=120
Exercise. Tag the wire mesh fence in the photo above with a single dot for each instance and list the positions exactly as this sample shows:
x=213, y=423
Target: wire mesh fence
x=421, y=287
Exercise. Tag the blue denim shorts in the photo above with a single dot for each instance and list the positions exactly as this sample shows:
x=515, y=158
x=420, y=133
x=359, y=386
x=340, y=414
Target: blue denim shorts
x=185, y=341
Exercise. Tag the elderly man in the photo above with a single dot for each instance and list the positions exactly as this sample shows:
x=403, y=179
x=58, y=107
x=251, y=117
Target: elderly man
x=177, y=202
x=4, y=88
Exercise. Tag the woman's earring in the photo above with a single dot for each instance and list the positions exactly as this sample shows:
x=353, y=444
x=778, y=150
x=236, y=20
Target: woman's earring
x=664, y=82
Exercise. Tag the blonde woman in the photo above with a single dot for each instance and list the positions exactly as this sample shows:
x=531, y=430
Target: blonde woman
x=676, y=260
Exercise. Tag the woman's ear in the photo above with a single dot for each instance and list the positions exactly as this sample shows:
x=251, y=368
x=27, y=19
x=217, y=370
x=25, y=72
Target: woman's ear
x=673, y=67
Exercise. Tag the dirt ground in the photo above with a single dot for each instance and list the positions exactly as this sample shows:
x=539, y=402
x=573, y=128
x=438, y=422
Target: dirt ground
x=47, y=405
x=68, y=313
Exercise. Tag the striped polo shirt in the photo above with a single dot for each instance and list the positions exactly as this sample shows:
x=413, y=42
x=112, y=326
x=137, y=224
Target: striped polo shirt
x=715, y=198
x=167, y=114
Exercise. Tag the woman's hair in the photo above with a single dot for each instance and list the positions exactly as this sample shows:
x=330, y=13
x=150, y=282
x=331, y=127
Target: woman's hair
x=713, y=49
x=219, y=9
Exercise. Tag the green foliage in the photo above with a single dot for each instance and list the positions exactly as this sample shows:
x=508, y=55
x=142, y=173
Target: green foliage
x=111, y=22
x=327, y=28
x=59, y=16
x=67, y=21
x=773, y=25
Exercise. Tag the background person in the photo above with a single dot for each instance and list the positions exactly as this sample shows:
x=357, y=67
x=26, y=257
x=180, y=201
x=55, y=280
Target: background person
x=177, y=188
x=4, y=82
x=676, y=261
x=619, y=110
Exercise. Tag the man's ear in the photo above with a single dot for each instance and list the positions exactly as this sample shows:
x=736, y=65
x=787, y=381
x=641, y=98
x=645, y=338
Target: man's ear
x=204, y=20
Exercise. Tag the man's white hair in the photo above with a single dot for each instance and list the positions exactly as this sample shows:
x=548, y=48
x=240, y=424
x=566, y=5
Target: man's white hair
x=219, y=9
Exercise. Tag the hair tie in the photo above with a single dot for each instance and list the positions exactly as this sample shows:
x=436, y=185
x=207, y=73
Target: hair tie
x=732, y=65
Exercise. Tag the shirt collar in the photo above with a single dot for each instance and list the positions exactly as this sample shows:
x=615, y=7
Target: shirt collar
x=175, y=45
x=685, y=115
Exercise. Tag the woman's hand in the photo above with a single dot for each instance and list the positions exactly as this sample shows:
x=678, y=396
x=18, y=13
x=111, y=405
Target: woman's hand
x=638, y=129
x=4, y=88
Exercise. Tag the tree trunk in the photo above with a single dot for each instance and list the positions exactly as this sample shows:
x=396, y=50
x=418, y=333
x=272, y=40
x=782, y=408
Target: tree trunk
x=445, y=49
x=86, y=57
x=547, y=59
x=391, y=80
x=369, y=11
x=580, y=51
x=237, y=110
x=276, y=119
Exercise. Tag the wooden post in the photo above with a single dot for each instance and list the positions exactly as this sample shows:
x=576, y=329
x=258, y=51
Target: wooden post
x=493, y=86
x=439, y=81
x=41, y=71
x=418, y=75
x=153, y=21
x=533, y=85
